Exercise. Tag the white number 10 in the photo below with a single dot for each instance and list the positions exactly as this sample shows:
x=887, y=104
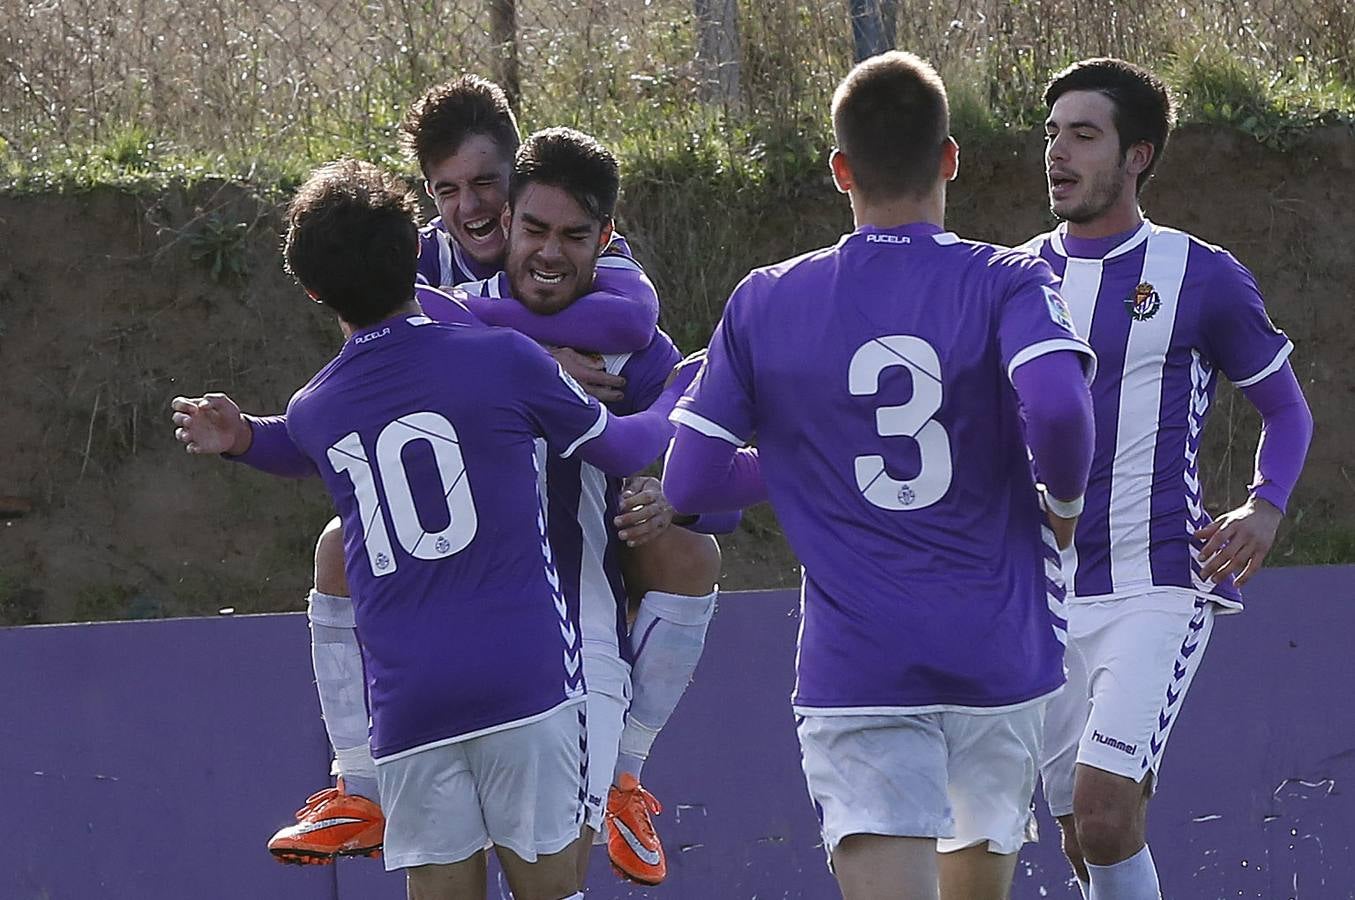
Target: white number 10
x=347, y=455
x=912, y=420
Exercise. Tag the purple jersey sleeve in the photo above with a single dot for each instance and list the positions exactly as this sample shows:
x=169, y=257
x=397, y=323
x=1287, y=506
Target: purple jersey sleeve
x=445, y=306
x=1286, y=431
x=719, y=403
x=1034, y=320
x=1236, y=333
x=273, y=451
x=710, y=475
x=619, y=315
x=1056, y=406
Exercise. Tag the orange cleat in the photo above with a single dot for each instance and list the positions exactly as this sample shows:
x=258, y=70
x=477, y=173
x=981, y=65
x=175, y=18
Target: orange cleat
x=331, y=824
x=632, y=844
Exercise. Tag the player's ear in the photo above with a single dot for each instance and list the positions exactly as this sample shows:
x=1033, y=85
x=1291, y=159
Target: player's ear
x=842, y=171
x=314, y=298
x=506, y=218
x=428, y=189
x=1137, y=158
x=605, y=235
x=950, y=159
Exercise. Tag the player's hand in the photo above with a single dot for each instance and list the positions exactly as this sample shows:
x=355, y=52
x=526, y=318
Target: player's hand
x=210, y=424
x=687, y=370
x=1237, y=542
x=590, y=371
x=645, y=511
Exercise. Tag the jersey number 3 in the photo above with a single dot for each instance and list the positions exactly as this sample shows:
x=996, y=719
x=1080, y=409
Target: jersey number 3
x=348, y=455
x=911, y=420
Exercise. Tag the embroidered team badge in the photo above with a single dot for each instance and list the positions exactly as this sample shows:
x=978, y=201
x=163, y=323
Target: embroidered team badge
x=1143, y=303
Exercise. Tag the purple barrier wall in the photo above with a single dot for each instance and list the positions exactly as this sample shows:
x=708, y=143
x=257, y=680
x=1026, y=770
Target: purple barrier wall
x=151, y=760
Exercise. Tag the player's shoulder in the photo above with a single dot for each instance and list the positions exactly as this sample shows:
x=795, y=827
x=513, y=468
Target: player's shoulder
x=767, y=281
x=1204, y=260
x=432, y=228
x=617, y=255
x=1040, y=244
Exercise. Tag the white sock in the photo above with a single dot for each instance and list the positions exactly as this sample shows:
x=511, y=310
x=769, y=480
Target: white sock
x=666, y=643
x=337, y=662
x=1130, y=879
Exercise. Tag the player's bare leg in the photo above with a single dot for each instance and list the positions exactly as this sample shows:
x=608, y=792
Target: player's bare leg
x=463, y=880
x=976, y=874
x=1110, y=817
x=551, y=877
x=879, y=867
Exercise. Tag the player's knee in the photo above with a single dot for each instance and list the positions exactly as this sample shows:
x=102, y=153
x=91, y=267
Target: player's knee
x=1106, y=832
x=677, y=562
x=329, y=573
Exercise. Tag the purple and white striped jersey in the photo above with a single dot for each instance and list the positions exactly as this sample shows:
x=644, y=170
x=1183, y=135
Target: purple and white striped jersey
x=583, y=500
x=442, y=262
x=429, y=438
x=875, y=376
x=1165, y=313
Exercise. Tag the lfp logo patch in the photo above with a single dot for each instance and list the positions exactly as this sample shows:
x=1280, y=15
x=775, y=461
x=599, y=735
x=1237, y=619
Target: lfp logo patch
x=1143, y=303
x=1058, y=310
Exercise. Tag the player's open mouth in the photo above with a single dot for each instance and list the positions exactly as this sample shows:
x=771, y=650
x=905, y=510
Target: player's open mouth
x=547, y=277
x=1061, y=184
x=481, y=229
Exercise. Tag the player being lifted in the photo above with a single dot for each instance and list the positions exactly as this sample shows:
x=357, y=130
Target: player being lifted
x=474, y=660
x=559, y=215
x=1165, y=313
x=564, y=190
x=885, y=380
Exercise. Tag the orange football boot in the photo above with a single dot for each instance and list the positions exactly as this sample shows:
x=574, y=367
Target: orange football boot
x=632, y=844
x=331, y=824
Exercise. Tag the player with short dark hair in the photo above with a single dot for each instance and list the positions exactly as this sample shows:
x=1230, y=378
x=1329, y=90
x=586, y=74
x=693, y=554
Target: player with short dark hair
x=673, y=575
x=559, y=226
x=473, y=655
x=892, y=383
x=1147, y=571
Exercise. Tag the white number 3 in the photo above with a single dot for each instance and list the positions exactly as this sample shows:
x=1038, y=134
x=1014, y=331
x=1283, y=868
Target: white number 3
x=348, y=455
x=911, y=420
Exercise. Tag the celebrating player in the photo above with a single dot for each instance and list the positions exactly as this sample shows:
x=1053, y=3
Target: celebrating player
x=474, y=661
x=1147, y=572
x=885, y=380
x=558, y=219
x=564, y=190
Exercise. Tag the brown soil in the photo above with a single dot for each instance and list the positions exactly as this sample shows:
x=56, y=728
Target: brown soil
x=108, y=307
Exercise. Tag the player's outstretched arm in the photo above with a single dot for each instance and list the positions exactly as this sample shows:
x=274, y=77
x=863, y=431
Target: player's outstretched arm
x=213, y=424
x=710, y=475
x=625, y=444
x=1238, y=541
x=618, y=316
x=1057, y=407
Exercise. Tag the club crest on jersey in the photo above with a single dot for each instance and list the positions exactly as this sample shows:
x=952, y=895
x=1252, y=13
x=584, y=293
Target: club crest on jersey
x=906, y=495
x=1143, y=303
x=383, y=562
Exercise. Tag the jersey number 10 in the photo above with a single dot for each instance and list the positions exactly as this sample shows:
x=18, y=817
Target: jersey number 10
x=348, y=455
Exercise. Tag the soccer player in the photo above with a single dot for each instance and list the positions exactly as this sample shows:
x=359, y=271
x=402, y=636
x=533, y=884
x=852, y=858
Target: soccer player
x=559, y=220
x=1148, y=571
x=564, y=191
x=463, y=135
x=473, y=656
x=892, y=383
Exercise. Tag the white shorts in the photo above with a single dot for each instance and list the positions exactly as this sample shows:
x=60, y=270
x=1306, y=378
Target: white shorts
x=520, y=788
x=1130, y=662
x=962, y=778
x=609, y=693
